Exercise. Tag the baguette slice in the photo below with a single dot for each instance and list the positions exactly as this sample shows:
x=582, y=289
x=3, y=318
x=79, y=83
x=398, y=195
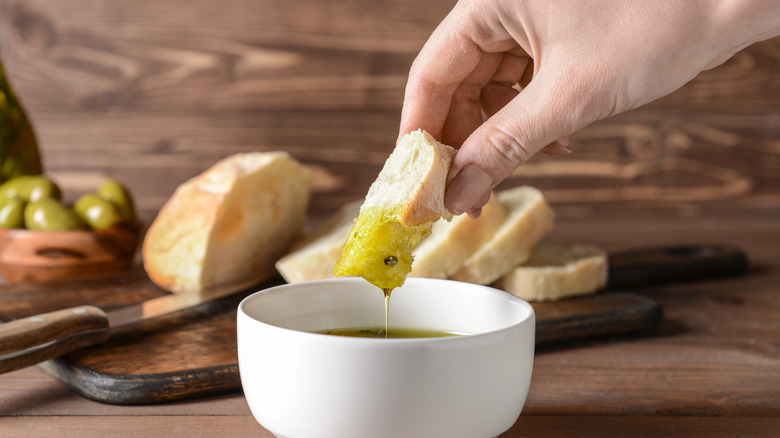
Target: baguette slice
x=452, y=242
x=314, y=257
x=398, y=212
x=230, y=224
x=529, y=219
x=554, y=272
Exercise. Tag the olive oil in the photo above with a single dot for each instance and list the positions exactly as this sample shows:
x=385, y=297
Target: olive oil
x=379, y=332
x=387, y=310
x=19, y=153
x=379, y=248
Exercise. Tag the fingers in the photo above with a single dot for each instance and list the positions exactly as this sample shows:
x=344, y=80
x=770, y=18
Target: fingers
x=476, y=210
x=467, y=189
x=465, y=114
x=530, y=122
x=446, y=60
x=559, y=147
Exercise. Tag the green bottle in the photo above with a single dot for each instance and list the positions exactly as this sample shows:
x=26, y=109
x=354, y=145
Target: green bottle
x=19, y=153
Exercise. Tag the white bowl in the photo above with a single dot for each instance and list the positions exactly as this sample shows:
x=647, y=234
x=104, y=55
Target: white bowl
x=300, y=384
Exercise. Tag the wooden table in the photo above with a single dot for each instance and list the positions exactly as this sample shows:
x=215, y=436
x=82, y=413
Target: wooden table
x=153, y=92
x=711, y=370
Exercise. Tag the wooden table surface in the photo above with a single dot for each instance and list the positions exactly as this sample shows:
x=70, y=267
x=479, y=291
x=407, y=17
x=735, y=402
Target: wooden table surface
x=712, y=369
x=154, y=92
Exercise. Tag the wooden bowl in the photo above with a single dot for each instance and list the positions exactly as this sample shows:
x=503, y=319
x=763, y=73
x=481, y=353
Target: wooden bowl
x=27, y=255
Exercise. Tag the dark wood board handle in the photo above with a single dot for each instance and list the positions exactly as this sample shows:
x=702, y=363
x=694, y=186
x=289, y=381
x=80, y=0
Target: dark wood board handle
x=673, y=264
x=604, y=314
x=34, y=339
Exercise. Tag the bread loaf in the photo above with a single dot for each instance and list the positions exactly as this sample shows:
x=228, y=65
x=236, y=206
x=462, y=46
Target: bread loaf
x=554, y=272
x=528, y=219
x=401, y=206
x=230, y=224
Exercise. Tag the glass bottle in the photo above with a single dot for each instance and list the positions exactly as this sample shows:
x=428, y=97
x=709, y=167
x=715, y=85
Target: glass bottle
x=18, y=145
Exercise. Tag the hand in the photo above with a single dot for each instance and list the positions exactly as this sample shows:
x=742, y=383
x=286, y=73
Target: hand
x=575, y=61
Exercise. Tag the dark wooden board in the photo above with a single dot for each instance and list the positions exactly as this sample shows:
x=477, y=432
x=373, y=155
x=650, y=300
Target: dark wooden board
x=182, y=355
x=192, y=353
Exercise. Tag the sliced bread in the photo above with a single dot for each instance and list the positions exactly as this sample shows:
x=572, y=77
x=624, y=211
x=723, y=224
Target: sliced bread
x=528, y=219
x=230, y=224
x=554, y=272
x=314, y=257
x=397, y=214
x=452, y=242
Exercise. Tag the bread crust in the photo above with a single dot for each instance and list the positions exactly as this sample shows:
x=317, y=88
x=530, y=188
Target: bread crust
x=402, y=204
x=411, y=188
x=427, y=204
x=451, y=243
x=229, y=224
x=528, y=219
x=554, y=272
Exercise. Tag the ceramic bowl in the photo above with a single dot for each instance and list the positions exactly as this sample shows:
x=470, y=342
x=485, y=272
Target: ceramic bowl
x=301, y=384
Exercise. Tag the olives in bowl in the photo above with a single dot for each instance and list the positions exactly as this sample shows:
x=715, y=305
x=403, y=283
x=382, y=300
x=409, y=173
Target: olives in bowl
x=39, y=199
x=29, y=188
x=42, y=238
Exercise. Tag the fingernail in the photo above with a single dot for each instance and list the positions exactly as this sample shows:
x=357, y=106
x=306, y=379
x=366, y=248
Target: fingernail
x=564, y=144
x=466, y=189
x=475, y=214
x=476, y=210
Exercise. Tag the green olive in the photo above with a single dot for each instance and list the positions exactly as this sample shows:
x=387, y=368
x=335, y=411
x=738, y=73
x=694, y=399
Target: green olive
x=12, y=213
x=97, y=212
x=49, y=214
x=29, y=188
x=114, y=192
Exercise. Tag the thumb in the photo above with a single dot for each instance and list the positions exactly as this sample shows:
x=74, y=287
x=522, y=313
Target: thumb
x=531, y=121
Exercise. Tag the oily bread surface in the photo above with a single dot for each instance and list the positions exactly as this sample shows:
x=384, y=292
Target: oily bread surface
x=402, y=204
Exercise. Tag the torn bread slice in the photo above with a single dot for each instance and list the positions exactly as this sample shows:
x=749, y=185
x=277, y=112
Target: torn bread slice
x=555, y=271
x=451, y=242
x=529, y=218
x=401, y=206
x=315, y=256
x=230, y=224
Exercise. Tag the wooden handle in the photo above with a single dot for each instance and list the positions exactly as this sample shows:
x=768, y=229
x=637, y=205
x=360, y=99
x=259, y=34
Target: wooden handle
x=672, y=264
x=34, y=339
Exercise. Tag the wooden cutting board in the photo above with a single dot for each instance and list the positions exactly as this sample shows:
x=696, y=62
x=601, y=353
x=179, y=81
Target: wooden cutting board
x=192, y=353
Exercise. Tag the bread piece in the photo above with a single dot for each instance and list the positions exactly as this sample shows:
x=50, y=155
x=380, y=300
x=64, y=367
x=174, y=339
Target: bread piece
x=398, y=212
x=554, y=272
x=314, y=257
x=451, y=243
x=529, y=218
x=410, y=186
x=229, y=225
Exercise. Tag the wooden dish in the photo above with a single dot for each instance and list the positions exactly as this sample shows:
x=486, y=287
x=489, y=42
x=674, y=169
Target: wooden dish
x=27, y=255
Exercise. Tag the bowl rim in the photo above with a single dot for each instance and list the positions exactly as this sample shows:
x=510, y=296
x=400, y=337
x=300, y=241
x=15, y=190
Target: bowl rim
x=530, y=315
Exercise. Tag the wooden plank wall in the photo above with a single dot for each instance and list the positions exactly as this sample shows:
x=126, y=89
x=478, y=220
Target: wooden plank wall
x=153, y=92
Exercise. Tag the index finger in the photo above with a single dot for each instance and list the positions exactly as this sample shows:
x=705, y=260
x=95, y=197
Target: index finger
x=445, y=61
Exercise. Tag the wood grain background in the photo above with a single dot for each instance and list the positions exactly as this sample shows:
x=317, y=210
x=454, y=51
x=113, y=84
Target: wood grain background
x=153, y=92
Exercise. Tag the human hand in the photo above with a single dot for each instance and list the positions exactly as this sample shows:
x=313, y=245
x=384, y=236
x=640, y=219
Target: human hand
x=575, y=61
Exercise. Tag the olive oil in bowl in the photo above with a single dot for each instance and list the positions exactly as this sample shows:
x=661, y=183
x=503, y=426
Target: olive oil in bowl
x=381, y=332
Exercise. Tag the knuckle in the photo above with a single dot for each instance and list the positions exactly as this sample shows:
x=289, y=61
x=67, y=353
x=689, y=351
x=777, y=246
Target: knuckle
x=508, y=145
